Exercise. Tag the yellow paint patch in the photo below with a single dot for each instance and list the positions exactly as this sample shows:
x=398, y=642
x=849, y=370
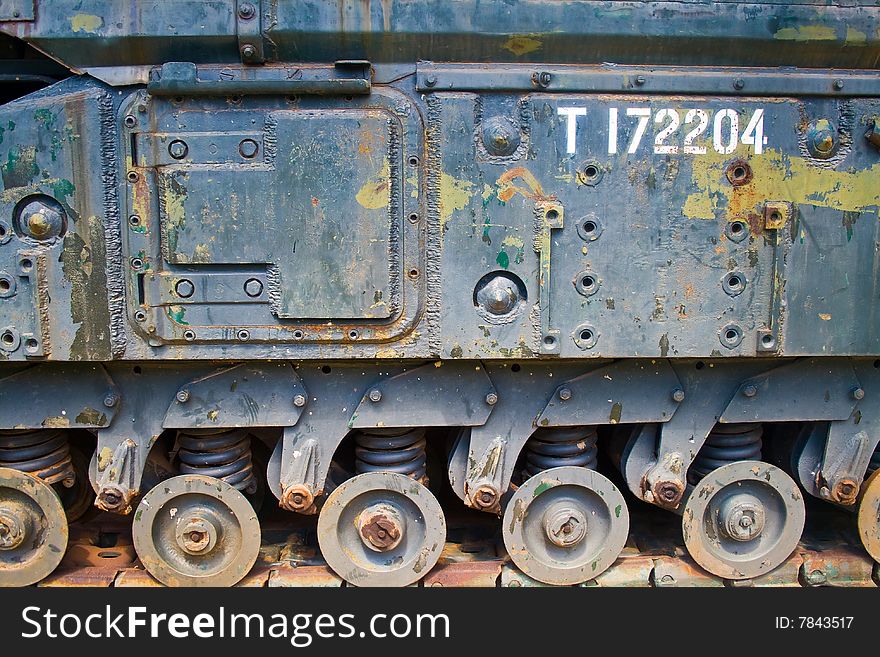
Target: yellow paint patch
x=522, y=45
x=856, y=37
x=778, y=177
x=514, y=241
x=807, y=33
x=376, y=192
x=86, y=23
x=455, y=194
x=824, y=317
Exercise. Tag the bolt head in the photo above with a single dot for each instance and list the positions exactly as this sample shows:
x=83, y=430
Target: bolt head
x=380, y=527
x=297, y=498
x=248, y=51
x=565, y=394
x=42, y=219
x=248, y=148
x=498, y=296
x=500, y=136
x=822, y=139
x=111, y=400
x=739, y=83
x=178, y=149
x=750, y=391
x=640, y=80
x=845, y=491
x=184, y=288
x=668, y=493
x=111, y=498
x=678, y=395
x=253, y=287
x=431, y=81
x=13, y=529
x=246, y=11
x=182, y=396
x=858, y=393
x=741, y=517
x=491, y=399
x=299, y=401
x=485, y=497
x=375, y=395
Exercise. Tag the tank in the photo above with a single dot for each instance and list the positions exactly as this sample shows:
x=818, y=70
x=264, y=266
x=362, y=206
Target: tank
x=372, y=267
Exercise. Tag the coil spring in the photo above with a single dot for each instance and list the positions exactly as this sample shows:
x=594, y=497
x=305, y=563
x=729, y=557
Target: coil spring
x=392, y=450
x=727, y=443
x=556, y=447
x=44, y=453
x=222, y=453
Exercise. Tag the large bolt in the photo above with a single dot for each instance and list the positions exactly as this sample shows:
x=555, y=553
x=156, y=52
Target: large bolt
x=565, y=525
x=375, y=395
x=498, y=296
x=196, y=534
x=13, y=531
x=248, y=51
x=182, y=396
x=380, y=527
x=750, y=390
x=858, y=393
x=500, y=136
x=845, y=491
x=248, y=148
x=741, y=517
x=678, y=395
x=184, y=288
x=299, y=401
x=178, y=149
x=669, y=492
x=491, y=399
x=822, y=139
x=542, y=79
x=253, y=287
x=297, y=498
x=565, y=394
x=246, y=11
x=112, y=498
x=485, y=497
x=111, y=399
x=42, y=219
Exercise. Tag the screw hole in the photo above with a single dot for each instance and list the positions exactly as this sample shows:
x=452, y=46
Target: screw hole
x=134, y=220
x=5, y=285
x=591, y=171
x=414, y=218
x=353, y=334
x=26, y=264
x=877, y=364
x=414, y=161
x=589, y=227
x=326, y=369
x=189, y=335
x=297, y=335
x=137, y=369
x=736, y=228
x=549, y=340
x=700, y=365
x=588, y=281
x=31, y=344
x=243, y=335
x=730, y=335
x=774, y=216
x=413, y=273
x=552, y=214
x=586, y=335
x=8, y=338
x=132, y=176
x=767, y=340
x=516, y=367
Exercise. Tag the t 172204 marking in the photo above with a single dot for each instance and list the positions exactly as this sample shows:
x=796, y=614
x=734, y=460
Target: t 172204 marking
x=694, y=129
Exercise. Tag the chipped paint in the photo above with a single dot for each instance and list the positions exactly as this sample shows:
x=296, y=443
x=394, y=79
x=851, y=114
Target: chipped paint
x=376, y=192
x=455, y=195
x=86, y=23
x=522, y=45
x=807, y=33
x=779, y=177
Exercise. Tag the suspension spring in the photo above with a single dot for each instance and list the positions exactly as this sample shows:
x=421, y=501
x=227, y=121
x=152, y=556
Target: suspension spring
x=556, y=447
x=727, y=443
x=392, y=450
x=44, y=453
x=220, y=453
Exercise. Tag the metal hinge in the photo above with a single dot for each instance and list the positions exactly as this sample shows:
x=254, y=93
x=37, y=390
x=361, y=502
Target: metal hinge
x=346, y=78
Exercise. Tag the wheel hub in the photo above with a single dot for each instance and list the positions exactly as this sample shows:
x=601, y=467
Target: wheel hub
x=742, y=517
x=381, y=527
x=565, y=525
x=197, y=534
x=14, y=526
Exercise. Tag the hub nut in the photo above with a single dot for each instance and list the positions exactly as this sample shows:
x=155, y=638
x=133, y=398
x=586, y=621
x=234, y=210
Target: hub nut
x=297, y=498
x=565, y=525
x=380, y=527
x=196, y=534
x=485, y=497
x=741, y=517
x=13, y=530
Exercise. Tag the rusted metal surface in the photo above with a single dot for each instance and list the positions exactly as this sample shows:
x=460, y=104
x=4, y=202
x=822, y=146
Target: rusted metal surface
x=83, y=576
x=837, y=566
x=288, y=575
x=464, y=574
x=681, y=571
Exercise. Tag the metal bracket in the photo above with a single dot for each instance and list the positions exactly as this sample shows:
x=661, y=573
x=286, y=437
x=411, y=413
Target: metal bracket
x=249, y=27
x=624, y=392
x=441, y=394
x=252, y=395
x=119, y=476
x=549, y=216
x=90, y=404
